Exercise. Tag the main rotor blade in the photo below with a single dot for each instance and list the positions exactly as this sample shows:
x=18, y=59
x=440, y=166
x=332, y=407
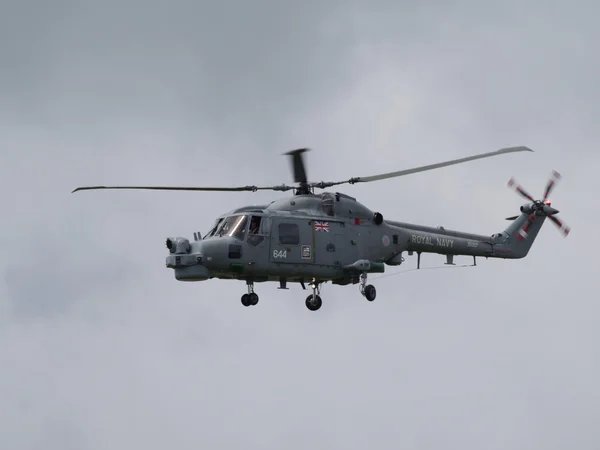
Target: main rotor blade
x=283, y=187
x=298, y=165
x=428, y=167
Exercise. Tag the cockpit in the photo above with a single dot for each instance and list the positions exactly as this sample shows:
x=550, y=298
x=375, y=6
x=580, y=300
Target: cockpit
x=246, y=227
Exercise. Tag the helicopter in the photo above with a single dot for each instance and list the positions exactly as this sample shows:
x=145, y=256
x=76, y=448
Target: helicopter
x=312, y=238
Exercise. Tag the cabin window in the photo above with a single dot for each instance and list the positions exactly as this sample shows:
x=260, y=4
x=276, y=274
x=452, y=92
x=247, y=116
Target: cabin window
x=395, y=238
x=289, y=233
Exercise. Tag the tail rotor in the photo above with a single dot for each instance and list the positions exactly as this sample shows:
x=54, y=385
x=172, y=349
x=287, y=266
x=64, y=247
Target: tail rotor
x=538, y=208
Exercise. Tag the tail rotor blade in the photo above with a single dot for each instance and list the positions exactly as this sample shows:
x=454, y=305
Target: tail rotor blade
x=554, y=178
x=512, y=183
x=564, y=229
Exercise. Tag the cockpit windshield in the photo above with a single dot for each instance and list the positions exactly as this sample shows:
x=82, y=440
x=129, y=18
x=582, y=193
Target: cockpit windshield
x=234, y=226
x=213, y=229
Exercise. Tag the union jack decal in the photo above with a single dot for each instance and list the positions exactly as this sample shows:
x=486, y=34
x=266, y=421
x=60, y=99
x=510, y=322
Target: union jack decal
x=322, y=226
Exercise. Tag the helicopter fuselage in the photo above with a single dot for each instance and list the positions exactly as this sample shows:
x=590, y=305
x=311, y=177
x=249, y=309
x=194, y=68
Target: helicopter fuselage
x=296, y=239
x=327, y=237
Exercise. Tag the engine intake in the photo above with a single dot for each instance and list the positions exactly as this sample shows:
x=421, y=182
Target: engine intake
x=378, y=218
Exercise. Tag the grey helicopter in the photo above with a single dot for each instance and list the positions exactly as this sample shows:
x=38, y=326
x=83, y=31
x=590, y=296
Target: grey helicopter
x=314, y=238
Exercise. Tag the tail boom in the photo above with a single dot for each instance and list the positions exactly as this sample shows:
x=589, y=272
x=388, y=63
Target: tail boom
x=508, y=244
x=422, y=239
x=512, y=243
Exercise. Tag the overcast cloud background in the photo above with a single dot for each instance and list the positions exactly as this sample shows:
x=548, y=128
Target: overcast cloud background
x=100, y=347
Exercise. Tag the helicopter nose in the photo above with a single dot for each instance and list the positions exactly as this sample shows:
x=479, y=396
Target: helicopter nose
x=196, y=272
x=186, y=260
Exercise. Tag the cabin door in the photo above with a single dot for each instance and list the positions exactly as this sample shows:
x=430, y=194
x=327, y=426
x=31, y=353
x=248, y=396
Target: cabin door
x=291, y=241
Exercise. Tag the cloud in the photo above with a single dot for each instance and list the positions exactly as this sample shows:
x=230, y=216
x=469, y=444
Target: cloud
x=100, y=346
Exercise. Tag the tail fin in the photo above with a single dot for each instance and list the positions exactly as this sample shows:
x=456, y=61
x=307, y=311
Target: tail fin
x=522, y=233
x=517, y=239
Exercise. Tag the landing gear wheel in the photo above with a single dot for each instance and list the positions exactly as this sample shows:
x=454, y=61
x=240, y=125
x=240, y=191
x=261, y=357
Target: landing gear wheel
x=370, y=292
x=315, y=304
x=252, y=299
x=246, y=300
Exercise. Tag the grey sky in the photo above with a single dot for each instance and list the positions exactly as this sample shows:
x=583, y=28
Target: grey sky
x=100, y=347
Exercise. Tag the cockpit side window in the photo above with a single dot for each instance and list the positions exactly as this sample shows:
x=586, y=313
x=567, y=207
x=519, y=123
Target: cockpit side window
x=256, y=232
x=254, y=225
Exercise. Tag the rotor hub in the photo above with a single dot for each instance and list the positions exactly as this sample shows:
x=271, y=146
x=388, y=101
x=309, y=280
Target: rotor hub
x=538, y=206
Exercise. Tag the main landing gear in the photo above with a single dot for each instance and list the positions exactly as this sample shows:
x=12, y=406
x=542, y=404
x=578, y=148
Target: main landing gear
x=250, y=299
x=369, y=290
x=313, y=301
